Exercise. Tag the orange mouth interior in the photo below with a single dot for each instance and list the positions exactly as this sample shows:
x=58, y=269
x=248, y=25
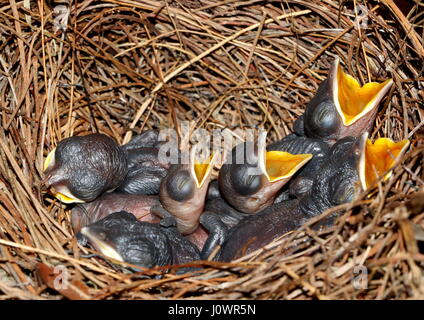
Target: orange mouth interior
x=380, y=157
x=280, y=164
x=202, y=170
x=355, y=101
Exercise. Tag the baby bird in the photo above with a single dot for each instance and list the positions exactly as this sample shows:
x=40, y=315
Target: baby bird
x=252, y=179
x=121, y=237
x=341, y=107
x=81, y=168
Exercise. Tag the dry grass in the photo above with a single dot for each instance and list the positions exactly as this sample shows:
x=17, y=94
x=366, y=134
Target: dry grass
x=124, y=66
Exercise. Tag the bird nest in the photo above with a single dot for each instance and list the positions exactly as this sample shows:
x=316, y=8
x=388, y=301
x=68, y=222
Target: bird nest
x=121, y=67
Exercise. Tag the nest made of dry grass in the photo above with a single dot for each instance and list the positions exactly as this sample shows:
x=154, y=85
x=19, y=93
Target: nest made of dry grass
x=121, y=67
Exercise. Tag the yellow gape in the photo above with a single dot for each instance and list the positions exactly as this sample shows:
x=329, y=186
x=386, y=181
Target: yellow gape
x=63, y=195
x=202, y=170
x=378, y=158
x=49, y=160
x=101, y=246
x=355, y=101
x=280, y=164
x=66, y=199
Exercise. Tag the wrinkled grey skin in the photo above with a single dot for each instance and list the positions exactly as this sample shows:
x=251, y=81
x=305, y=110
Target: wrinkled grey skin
x=93, y=164
x=145, y=171
x=335, y=182
x=142, y=243
x=87, y=165
x=213, y=190
x=254, y=232
x=218, y=217
x=233, y=230
x=147, y=139
x=227, y=214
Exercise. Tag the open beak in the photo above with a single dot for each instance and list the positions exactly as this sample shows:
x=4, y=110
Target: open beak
x=281, y=165
x=202, y=170
x=100, y=245
x=378, y=158
x=352, y=101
